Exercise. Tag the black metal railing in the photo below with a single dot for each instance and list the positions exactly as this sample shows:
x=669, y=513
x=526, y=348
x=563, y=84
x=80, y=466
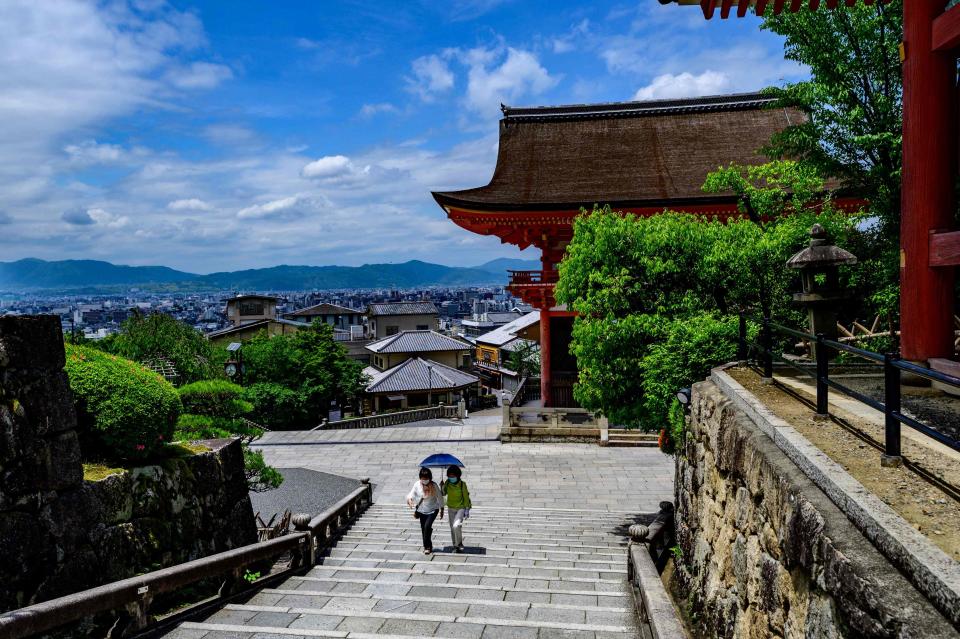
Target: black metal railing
x=892, y=366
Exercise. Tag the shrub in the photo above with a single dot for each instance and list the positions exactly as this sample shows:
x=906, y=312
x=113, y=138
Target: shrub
x=192, y=427
x=214, y=398
x=274, y=405
x=126, y=412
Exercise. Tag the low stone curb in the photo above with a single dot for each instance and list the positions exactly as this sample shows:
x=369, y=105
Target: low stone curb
x=654, y=605
x=930, y=569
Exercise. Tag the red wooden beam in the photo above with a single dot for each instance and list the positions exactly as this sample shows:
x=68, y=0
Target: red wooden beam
x=945, y=248
x=946, y=30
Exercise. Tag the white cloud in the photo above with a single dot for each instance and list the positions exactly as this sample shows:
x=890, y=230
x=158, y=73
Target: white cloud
x=285, y=208
x=199, y=75
x=329, y=166
x=519, y=74
x=370, y=110
x=684, y=85
x=79, y=216
x=106, y=219
x=431, y=76
x=569, y=42
x=91, y=152
x=191, y=204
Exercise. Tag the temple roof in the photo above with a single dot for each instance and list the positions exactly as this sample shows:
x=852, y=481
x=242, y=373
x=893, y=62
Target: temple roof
x=624, y=153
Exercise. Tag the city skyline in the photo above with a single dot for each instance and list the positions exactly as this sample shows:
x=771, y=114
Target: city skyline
x=216, y=136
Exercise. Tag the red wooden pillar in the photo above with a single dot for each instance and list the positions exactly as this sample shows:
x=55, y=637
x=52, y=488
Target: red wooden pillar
x=546, y=377
x=929, y=171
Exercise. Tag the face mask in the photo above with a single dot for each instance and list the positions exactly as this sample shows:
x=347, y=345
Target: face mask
x=425, y=482
x=452, y=480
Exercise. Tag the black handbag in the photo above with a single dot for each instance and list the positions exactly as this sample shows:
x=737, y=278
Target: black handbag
x=416, y=513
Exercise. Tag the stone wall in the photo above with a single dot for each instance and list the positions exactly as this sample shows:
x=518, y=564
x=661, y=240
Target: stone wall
x=765, y=553
x=60, y=534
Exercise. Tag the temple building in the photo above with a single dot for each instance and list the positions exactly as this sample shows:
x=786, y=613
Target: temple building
x=640, y=157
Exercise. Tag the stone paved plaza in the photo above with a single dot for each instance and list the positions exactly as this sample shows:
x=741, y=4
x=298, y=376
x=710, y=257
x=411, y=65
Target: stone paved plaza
x=580, y=476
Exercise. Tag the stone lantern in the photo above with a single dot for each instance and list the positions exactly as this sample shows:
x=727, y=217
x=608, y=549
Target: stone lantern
x=819, y=266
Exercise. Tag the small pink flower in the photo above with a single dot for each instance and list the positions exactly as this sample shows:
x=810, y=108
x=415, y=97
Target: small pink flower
x=141, y=447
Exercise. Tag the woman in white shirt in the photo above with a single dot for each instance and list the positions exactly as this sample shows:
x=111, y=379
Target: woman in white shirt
x=427, y=504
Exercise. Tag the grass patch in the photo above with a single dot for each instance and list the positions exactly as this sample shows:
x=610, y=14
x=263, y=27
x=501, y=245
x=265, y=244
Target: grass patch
x=96, y=472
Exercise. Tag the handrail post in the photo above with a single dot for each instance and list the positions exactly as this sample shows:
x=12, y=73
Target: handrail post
x=767, y=342
x=742, y=342
x=892, y=456
x=823, y=371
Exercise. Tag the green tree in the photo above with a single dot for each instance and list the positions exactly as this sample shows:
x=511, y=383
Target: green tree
x=143, y=338
x=525, y=358
x=853, y=100
x=656, y=296
x=309, y=364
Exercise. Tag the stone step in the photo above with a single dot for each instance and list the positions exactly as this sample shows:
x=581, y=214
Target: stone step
x=630, y=443
x=385, y=542
x=470, y=557
x=507, y=540
x=470, y=586
x=407, y=513
x=506, y=569
x=567, y=532
x=502, y=511
x=351, y=572
x=416, y=617
x=301, y=598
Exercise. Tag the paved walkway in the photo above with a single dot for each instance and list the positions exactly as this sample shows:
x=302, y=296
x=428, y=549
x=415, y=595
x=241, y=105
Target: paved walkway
x=583, y=476
x=545, y=543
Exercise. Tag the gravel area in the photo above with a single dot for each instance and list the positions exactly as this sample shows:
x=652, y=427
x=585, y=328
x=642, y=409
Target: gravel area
x=302, y=491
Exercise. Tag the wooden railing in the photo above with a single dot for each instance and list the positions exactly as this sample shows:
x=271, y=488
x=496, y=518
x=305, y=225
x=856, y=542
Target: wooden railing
x=131, y=598
x=523, y=278
x=393, y=419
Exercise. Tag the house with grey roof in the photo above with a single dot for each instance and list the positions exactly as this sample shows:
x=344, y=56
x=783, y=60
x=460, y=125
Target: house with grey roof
x=391, y=351
x=389, y=318
x=495, y=349
x=419, y=382
x=339, y=317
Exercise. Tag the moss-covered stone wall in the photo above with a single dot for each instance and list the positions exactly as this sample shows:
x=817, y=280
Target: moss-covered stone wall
x=60, y=534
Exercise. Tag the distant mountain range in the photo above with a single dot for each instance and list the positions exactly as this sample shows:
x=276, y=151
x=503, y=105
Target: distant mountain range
x=90, y=275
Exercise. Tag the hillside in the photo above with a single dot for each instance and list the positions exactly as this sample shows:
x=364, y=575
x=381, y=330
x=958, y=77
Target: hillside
x=90, y=275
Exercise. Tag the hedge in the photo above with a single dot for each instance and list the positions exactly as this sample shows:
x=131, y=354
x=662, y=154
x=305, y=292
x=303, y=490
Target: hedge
x=214, y=398
x=125, y=411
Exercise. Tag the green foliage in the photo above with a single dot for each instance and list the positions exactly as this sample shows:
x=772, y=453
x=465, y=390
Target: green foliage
x=274, y=405
x=214, y=398
x=677, y=426
x=691, y=347
x=308, y=363
x=656, y=297
x=146, y=337
x=250, y=576
x=525, y=359
x=853, y=100
x=260, y=476
x=194, y=427
x=125, y=411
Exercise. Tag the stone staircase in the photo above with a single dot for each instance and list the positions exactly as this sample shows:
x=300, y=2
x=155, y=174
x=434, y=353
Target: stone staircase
x=628, y=438
x=525, y=573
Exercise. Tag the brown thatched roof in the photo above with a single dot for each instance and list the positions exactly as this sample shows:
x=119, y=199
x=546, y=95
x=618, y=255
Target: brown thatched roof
x=626, y=153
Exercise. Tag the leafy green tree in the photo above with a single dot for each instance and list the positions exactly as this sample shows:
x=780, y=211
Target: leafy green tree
x=525, y=359
x=656, y=296
x=143, y=338
x=853, y=100
x=310, y=365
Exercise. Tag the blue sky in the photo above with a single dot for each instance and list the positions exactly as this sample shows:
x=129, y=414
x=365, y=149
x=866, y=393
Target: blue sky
x=219, y=135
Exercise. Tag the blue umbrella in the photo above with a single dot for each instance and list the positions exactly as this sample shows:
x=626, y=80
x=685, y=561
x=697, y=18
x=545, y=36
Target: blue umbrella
x=441, y=459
